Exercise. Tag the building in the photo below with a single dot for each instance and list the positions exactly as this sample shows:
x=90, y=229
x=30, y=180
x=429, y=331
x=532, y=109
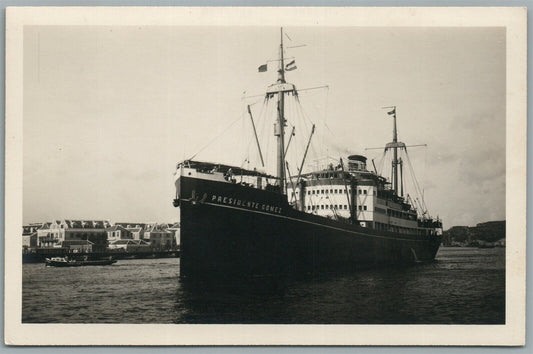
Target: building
x=87, y=230
x=162, y=240
x=175, y=228
x=51, y=234
x=118, y=232
x=29, y=235
x=79, y=246
x=130, y=245
x=149, y=227
x=136, y=229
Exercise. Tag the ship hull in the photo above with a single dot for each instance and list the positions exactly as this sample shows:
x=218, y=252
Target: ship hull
x=229, y=230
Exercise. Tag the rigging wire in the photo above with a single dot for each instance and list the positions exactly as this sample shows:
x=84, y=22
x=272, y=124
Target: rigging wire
x=417, y=186
x=215, y=138
x=305, y=120
x=268, y=113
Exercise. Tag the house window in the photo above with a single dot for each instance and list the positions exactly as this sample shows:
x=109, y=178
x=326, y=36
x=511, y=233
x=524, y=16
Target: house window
x=359, y=207
x=364, y=207
x=322, y=207
x=364, y=191
x=308, y=192
x=345, y=206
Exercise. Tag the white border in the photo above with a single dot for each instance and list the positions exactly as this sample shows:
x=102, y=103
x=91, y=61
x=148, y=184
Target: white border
x=512, y=333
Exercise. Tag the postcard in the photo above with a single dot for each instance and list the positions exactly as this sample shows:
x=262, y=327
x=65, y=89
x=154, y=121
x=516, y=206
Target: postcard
x=265, y=176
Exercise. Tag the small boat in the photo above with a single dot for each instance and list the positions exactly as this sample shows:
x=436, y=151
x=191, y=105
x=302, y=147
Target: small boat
x=66, y=262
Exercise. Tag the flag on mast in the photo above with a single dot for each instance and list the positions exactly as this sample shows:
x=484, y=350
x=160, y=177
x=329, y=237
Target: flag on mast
x=393, y=112
x=290, y=66
x=262, y=68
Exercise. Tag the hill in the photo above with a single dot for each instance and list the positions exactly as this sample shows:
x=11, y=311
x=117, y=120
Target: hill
x=487, y=233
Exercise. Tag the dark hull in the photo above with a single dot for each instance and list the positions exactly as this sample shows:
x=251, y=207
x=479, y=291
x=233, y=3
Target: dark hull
x=229, y=230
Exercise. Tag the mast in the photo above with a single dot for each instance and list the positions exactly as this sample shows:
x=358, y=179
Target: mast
x=280, y=131
x=401, y=176
x=395, y=153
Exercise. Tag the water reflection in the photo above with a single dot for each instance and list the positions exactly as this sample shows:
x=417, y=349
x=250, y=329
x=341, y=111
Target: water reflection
x=456, y=288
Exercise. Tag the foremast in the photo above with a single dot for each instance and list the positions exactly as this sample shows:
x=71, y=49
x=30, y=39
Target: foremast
x=280, y=125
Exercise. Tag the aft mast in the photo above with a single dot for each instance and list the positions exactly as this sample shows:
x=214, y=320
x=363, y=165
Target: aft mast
x=395, y=145
x=395, y=158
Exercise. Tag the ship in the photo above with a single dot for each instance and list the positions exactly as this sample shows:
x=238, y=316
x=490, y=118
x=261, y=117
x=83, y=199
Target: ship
x=241, y=222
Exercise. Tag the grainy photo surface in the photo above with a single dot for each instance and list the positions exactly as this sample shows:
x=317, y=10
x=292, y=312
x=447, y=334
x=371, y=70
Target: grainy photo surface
x=185, y=172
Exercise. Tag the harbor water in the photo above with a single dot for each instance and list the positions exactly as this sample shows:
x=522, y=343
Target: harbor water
x=463, y=286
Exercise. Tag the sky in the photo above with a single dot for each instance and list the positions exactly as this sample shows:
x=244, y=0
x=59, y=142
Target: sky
x=110, y=110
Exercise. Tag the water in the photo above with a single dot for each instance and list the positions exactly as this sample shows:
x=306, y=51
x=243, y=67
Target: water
x=463, y=286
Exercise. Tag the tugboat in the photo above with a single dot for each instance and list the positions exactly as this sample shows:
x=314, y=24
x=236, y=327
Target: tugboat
x=238, y=222
x=67, y=262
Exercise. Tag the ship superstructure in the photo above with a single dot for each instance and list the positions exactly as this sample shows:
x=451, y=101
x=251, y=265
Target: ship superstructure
x=364, y=197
